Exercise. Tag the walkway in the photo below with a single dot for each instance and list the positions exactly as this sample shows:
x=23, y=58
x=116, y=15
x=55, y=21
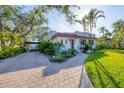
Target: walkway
x=33, y=69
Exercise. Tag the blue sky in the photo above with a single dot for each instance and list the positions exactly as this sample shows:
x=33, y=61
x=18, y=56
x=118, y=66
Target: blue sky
x=58, y=23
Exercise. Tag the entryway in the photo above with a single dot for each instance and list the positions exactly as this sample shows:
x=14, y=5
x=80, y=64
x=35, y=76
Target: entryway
x=72, y=43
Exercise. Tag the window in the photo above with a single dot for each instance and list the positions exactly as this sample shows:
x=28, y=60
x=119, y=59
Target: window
x=61, y=41
x=66, y=41
x=82, y=41
x=91, y=42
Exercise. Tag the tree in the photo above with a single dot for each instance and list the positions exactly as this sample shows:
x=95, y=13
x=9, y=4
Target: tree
x=92, y=18
x=89, y=20
x=104, y=32
x=84, y=23
x=118, y=33
x=104, y=40
x=18, y=22
x=5, y=16
x=36, y=17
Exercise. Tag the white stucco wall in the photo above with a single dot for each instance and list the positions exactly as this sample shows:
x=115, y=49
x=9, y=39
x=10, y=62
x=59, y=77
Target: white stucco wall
x=77, y=45
x=67, y=45
x=58, y=39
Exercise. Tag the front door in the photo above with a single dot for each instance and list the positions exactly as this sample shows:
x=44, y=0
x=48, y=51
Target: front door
x=72, y=43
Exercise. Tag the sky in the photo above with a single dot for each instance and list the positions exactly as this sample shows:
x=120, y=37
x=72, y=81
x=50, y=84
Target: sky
x=57, y=22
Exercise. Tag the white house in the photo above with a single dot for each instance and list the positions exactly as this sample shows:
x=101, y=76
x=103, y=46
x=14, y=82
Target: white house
x=72, y=40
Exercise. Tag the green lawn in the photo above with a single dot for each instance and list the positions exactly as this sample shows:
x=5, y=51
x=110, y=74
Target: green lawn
x=106, y=68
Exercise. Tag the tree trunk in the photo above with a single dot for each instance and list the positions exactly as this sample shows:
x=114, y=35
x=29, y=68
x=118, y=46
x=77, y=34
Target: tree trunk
x=90, y=30
x=1, y=34
x=28, y=31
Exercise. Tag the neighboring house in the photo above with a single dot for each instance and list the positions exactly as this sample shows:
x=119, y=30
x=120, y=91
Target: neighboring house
x=73, y=40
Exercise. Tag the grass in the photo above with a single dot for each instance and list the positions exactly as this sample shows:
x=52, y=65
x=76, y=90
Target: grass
x=106, y=68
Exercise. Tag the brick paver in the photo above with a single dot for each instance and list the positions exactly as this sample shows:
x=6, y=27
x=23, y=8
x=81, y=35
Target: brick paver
x=34, y=70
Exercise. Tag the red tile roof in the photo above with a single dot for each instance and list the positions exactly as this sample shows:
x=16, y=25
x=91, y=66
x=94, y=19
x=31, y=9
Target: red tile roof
x=71, y=35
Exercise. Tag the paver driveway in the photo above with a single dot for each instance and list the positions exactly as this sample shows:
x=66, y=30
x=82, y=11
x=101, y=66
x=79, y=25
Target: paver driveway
x=33, y=69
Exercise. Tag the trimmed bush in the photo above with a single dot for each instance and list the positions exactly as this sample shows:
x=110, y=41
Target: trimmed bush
x=11, y=52
x=58, y=58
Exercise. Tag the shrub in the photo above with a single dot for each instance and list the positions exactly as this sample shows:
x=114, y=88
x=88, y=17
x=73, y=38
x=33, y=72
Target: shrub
x=43, y=45
x=70, y=53
x=58, y=58
x=47, y=47
x=86, y=47
x=11, y=52
x=50, y=50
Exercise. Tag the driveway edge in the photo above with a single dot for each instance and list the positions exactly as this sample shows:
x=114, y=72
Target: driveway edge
x=85, y=80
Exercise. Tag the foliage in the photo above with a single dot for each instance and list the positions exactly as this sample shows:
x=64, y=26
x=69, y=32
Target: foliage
x=58, y=58
x=50, y=50
x=86, y=47
x=15, y=21
x=8, y=52
x=105, y=68
x=112, y=40
x=89, y=20
x=104, y=41
x=43, y=45
x=118, y=34
x=47, y=47
x=69, y=53
x=58, y=46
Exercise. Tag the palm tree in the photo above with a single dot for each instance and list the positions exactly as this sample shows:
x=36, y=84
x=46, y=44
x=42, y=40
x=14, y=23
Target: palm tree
x=118, y=32
x=84, y=23
x=104, y=31
x=89, y=20
x=92, y=18
x=104, y=39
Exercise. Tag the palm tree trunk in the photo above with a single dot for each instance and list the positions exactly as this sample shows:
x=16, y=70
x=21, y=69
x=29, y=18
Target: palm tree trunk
x=1, y=35
x=90, y=30
x=84, y=32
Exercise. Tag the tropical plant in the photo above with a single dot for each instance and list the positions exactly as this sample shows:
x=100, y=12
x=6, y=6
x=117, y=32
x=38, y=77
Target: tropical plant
x=58, y=46
x=86, y=47
x=69, y=53
x=105, y=32
x=89, y=20
x=118, y=33
x=104, y=40
x=92, y=18
x=84, y=23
